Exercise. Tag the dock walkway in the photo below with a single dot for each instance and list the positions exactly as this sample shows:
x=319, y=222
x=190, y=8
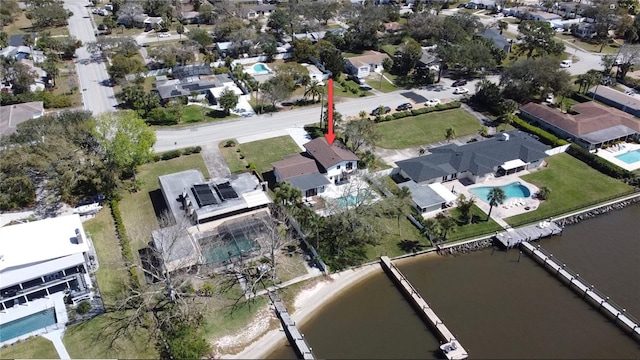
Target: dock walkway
x=296, y=339
x=512, y=237
x=588, y=291
x=452, y=349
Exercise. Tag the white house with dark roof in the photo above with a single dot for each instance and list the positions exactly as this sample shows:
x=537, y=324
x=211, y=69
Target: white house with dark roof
x=365, y=64
x=507, y=153
x=335, y=161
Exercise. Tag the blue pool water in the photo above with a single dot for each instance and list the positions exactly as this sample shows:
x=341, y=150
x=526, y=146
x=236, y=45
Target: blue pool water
x=27, y=324
x=260, y=68
x=630, y=157
x=513, y=190
x=352, y=199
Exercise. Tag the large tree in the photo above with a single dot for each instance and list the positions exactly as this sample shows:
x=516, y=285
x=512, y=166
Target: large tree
x=536, y=38
x=360, y=133
x=49, y=15
x=629, y=56
x=22, y=77
x=530, y=78
x=331, y=57
x=407, y=55
x=122, y=66
x=228, y=100
x=125, y=140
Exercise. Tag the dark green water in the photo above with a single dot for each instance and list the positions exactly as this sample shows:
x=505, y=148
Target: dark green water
x=497, y=306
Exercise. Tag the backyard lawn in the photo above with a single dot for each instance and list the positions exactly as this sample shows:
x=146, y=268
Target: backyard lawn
x=389, y=246
x=96, y=339
x=137, y=209
x=261, y=153
x=425, y=129
x=111, y=275
x=32, y=348
x=572, y=184
x=468, y=231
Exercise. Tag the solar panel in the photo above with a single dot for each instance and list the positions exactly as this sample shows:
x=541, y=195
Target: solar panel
x=226, y=191
x=204, y=195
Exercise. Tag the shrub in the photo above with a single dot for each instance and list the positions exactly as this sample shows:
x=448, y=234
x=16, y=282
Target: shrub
x=156, y=157
x=191, y=150
x=172, y=154
x=354, y=90
x=230, y=143
x=599, y=163
x=251, y=166
x=83, y=308
x=545, y=137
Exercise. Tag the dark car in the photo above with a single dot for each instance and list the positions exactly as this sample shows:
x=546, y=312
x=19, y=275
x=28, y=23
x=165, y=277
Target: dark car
x=376, y=111
x=405, y=106
x=102, y=27
x=461, y=82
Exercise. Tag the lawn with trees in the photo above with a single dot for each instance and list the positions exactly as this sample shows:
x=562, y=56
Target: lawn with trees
x=260, y=153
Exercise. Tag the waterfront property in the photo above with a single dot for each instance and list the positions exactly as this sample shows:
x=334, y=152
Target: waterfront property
x=429, y=199
x=512, y=190
x=590, y=125
x=508, y=153
x=42, y=263
x=625, y=155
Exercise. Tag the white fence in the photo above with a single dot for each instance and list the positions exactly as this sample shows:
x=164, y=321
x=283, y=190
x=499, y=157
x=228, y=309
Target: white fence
x=557, y=150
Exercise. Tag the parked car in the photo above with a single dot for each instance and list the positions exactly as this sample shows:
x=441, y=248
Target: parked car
x=461, y=82
x=101, y=27
x=376, y=111
x=405, y=106
x=550, y=98
x=365, y=87
x=565, y=64
x=460, y=91
x=164, y=35
x=432, y=102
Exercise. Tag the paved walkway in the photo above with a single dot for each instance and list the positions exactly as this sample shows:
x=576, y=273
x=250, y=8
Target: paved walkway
x=483, y=120
x=56, y=339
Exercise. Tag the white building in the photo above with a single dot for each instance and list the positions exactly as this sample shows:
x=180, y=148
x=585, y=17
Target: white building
x=40, y=263
x=365, y=64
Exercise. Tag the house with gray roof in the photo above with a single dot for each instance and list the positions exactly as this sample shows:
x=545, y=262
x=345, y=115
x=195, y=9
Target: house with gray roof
x=429, y=198
x=619, y=100
x=301, y=171
x=499, y=40
x=12, y=115
x=507, y=153
x=590, y=125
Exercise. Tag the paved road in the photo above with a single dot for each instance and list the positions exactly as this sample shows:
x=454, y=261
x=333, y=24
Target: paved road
x=96, y=97
x=168, y=139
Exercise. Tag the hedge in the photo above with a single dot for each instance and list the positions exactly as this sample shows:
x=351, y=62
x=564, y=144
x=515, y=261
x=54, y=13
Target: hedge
x=172, y=154
x=599, y=163
x=545, y=137
x=125, y=244
x=421, y=111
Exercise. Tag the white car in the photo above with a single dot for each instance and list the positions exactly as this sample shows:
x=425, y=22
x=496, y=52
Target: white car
x=460, y=91
x=432, y=102
x=565, y=64
x=550, y=98
x=164, y=35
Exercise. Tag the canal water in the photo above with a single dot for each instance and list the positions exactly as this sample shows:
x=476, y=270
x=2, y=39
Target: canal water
x=498, y=304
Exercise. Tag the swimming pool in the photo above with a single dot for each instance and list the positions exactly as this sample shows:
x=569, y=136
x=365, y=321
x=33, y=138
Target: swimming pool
x=513, y=190
x=27, y=324
x=261, y=68
x=630, y=157
x=353, y=199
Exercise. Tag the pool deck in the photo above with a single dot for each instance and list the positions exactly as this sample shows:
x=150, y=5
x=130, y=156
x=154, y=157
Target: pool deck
x=610, y=154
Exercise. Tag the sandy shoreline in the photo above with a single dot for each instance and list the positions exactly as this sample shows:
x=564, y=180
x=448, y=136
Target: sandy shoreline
x=307, y=303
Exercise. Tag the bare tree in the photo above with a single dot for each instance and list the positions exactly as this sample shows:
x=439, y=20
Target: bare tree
x=128, y=11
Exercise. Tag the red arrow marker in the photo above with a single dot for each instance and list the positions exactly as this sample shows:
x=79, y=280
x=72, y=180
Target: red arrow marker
x=330, y=136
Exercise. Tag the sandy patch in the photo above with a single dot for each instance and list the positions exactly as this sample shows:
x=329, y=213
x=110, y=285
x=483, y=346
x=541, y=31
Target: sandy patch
x=258, y=327
x=305, y=296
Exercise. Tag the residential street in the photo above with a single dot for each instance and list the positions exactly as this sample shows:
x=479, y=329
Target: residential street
x=96, y=97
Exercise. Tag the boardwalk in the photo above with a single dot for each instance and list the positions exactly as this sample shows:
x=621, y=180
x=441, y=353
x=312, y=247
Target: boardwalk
x=452, y=348
x=512, y=237
x=296, y=339
x=587, y=290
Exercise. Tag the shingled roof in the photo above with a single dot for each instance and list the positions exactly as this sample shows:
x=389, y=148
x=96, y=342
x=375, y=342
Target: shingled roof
x=326, y=155
x=479, y=158
x=295, y=165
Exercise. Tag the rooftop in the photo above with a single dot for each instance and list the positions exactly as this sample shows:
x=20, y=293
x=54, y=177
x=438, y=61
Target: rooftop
x=498, y=39
x=616, y=96
x=367, y=58
x=34, y=242
x=12, y=115
x=211, y=199
x=479, y=158
x=593, y=122
x=308, y=181
x=295, y=165
x=546, y=15
x=326, y=155
x=423, y=196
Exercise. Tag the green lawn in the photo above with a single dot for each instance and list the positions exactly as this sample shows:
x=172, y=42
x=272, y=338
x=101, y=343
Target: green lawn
x=347, y=54
x=262, y=153
x=425, y=129
x=392, y=236
x=384, y=85
x=222, y=321
x=197, y=114
x=572, y=184
x=111, y=275
x=96, y=339
x=610, y=48
x=345, y=91
x=32, y=348
x=137, y=210
x=472, y=230
x=390, y=49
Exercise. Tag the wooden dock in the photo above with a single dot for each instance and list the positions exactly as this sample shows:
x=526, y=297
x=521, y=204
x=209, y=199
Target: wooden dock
x=452, y=348
x=296, y=339
x=512, y=237
x=586, y=290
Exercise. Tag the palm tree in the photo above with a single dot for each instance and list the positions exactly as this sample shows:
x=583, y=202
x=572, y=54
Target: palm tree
x=543, y=193
x=305, y=80
x=387, y=64
x=180, y=30
x=502, y=26
x=431, y=229
x=403, y=196
x=496, y=197
x=447, y=224
x=450, y=134
x=287, y=195
x=582, y=81
x=313, y=89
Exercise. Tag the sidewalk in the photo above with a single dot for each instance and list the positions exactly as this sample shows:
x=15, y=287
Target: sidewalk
x=56, y=339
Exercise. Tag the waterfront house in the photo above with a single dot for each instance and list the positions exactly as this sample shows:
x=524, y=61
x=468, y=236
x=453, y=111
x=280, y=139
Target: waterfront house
x=44, y=265
x=429, y=198
x=590, y=125
x=506, y=153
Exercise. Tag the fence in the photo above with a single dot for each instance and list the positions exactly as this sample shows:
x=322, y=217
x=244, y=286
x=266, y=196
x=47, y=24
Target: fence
x=316, y=257
x=568, y=212
x=557, y=150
